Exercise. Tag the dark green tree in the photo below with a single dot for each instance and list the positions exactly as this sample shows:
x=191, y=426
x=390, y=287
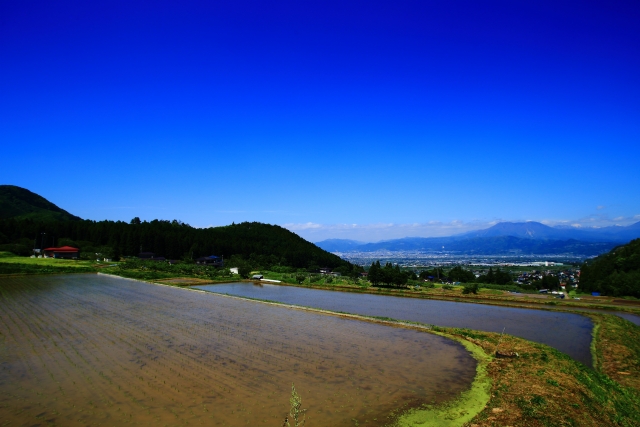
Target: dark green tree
x=470, y=288
x=459, y=274
x=375, y=273
x=547, y=282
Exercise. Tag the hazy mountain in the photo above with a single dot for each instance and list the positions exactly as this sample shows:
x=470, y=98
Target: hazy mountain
x=17, y=202
x=504, y=245
x=492, y=245
x=338, y=245
x=526, y=230
x=619, y=233
x=426, y=244
x=509, y=238
x=538, y=231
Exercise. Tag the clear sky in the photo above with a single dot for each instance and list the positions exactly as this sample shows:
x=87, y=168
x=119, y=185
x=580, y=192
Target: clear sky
x=346, y=119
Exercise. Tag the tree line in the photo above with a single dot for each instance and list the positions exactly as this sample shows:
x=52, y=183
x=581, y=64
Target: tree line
x=387, y=275
x=260, y=245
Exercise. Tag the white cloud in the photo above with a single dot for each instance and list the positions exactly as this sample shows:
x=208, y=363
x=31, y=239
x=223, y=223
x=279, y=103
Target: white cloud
x=299, y=227
x=592, y=221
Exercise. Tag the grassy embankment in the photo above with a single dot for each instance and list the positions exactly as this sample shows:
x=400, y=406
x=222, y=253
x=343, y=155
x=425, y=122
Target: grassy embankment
x=543, y=387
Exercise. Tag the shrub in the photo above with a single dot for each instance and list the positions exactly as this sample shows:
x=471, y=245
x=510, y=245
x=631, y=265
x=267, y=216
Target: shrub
x=470, y=288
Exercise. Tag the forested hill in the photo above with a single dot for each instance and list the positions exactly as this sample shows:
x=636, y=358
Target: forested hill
x=262, y=244
x=616, y=273
x=18, y=202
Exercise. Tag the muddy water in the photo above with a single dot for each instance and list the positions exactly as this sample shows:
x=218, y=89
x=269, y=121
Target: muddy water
x=94, y=350
x=569, y=333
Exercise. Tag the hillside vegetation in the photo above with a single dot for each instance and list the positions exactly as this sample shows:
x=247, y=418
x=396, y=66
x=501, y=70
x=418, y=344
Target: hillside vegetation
x=29, y=221
x=616, y=273
x=260, y=245
x=17, y=202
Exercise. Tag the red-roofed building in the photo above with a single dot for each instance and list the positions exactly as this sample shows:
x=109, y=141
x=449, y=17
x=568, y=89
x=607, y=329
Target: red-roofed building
x=62, y=252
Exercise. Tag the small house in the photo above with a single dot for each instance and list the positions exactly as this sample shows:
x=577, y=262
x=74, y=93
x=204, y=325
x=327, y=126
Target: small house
x=213, y=260
x=150, y=256
x=146, y=255
x=66, y=252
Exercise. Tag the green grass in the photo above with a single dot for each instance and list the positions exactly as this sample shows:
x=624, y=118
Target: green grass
x=8, y=257
x=12, y=264
x=16, y=268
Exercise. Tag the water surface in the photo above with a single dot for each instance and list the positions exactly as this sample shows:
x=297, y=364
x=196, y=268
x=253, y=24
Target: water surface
x=83, y=350
x=567, y=332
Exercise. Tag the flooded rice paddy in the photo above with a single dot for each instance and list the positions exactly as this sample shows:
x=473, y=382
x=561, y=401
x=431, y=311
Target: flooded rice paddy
x=569, y=333
x=95, y=350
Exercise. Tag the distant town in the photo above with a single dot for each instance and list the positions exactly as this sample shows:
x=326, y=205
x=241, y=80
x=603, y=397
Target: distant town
x=414, y=259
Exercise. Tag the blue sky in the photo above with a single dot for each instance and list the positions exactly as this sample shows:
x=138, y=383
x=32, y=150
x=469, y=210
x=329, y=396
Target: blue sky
x=365, y=120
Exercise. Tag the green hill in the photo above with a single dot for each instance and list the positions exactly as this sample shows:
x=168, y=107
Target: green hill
x=262, y=245
x=616, y=273
x=17, y=202
x=25, y=217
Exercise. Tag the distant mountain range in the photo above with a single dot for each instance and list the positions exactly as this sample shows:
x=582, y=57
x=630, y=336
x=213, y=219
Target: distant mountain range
x=339, y=245
x=503, y=238
x=538, y=231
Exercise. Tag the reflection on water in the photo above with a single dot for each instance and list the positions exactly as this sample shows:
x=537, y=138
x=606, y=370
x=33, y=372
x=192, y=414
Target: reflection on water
x=88, y=350
x=569, y=333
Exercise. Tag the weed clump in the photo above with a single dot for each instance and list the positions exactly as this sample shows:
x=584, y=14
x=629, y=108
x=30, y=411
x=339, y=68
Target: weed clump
x=296, y=413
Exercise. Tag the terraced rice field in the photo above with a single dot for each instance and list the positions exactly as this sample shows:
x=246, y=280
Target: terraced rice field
x=94, y=350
